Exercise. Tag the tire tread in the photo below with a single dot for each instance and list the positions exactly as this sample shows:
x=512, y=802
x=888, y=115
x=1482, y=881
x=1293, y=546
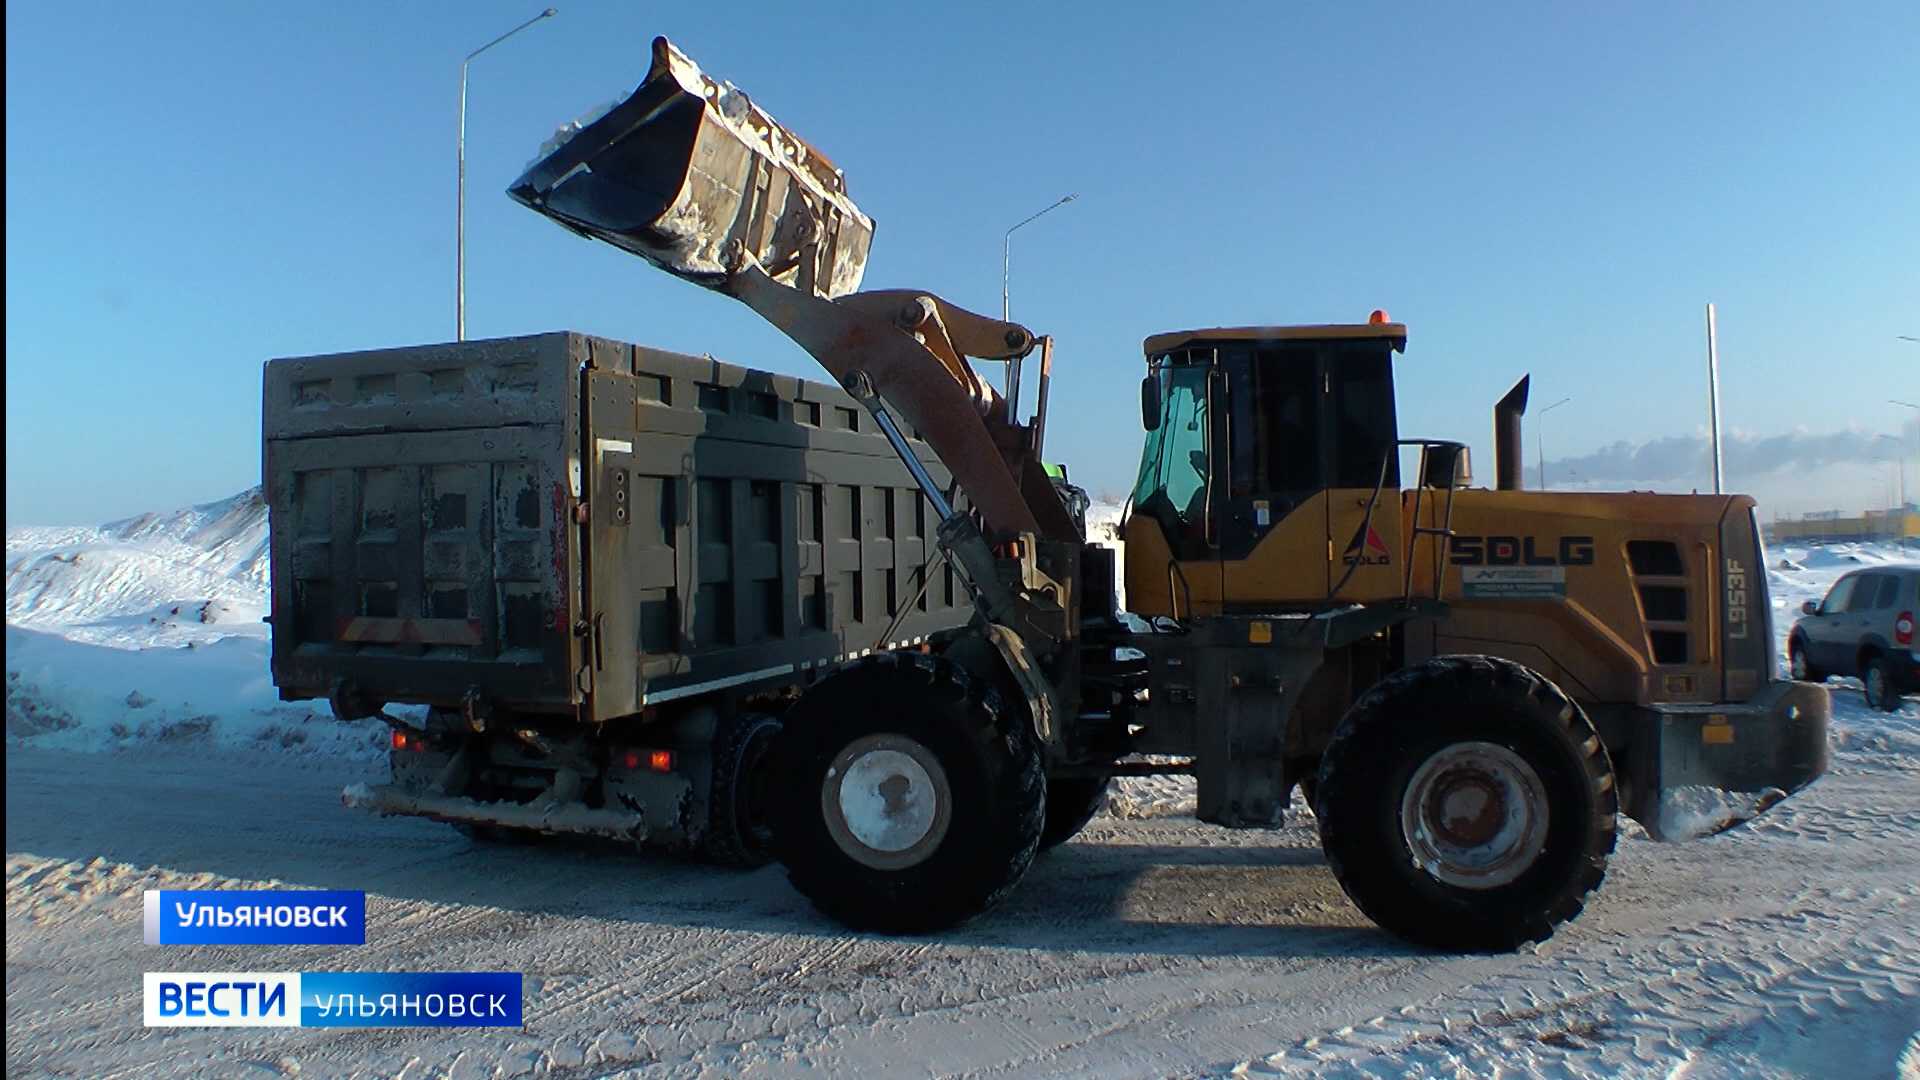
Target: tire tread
x=1356, y=735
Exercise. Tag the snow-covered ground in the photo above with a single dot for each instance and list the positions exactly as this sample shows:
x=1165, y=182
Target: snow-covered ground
x=146, y=749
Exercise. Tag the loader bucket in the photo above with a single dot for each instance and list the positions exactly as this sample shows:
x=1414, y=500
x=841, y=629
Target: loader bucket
x=685, y=168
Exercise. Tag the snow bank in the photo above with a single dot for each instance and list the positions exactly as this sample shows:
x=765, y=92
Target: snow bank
x=149, y=630
x=79, y=696
x=193, y=576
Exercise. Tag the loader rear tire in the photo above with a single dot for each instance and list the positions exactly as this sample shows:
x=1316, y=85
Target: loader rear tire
x=1466, y=804
x=906, y=799
x=739, y=833
x=1071, y=803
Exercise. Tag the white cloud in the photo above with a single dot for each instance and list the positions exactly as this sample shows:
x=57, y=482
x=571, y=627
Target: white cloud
x=1850, y=469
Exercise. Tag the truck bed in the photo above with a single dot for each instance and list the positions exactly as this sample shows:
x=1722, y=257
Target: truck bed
x=565, y=524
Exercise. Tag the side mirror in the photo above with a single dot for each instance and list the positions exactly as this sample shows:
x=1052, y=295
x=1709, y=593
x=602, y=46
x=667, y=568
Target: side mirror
x=1150, y=403
x=1445, y=465
x=1808, y=607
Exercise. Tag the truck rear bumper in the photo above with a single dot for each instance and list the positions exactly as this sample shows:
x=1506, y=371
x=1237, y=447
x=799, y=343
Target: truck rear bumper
x=389, y=800
x=1701, y=769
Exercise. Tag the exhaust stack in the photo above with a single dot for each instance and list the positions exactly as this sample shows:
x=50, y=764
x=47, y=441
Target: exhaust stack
x=1507, y=466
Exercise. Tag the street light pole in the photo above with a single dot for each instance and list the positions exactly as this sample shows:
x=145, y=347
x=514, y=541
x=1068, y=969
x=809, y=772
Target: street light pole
x=1916, y=439
x=1006, y=250
x=1900, y=462
x=460, y=227
x=1713, y=395
x=1006, y=262
x=1540, y=438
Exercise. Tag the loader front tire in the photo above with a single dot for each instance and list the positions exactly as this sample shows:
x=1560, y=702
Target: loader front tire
x=906, y=798
x=1466, y=804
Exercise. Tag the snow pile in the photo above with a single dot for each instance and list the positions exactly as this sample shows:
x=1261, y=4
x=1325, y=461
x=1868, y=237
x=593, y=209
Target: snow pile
x=149, y=629
x=1103, y=524
x=78, y=696
x=193, y=576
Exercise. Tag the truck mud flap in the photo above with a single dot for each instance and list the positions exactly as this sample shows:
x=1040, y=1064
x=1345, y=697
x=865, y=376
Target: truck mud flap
x=1696, y=770
x=387, y=800
x=688, y=166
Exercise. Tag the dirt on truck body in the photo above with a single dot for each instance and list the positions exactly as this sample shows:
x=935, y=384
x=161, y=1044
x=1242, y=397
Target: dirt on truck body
x=602, y=566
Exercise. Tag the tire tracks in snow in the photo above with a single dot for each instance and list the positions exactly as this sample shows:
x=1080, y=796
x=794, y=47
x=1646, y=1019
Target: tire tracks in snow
x=1629, y=1012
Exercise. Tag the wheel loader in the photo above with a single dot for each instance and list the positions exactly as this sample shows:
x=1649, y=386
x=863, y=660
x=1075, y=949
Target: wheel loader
x=1469, y=685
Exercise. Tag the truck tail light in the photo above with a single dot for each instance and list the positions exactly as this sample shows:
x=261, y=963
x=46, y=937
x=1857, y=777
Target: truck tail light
x=1903, y=628
x=656, y=760
x=406, y=741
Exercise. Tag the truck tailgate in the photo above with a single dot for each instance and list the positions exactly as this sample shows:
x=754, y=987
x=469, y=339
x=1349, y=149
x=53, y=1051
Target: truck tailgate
x=419, y=543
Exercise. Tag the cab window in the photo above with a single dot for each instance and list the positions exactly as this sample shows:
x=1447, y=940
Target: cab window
x=1838, y=596
x=1866, y=592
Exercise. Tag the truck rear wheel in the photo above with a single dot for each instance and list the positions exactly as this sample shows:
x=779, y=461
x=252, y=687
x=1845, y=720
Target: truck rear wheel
x=1071, y=803
x=739, y=832
x=1466, y=804
x=906, y=800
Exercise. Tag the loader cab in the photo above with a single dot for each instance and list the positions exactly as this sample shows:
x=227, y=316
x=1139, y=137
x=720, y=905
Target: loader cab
x=1250, y=430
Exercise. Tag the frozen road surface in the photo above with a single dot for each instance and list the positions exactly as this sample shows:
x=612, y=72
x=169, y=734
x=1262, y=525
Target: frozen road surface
x=1148, y=947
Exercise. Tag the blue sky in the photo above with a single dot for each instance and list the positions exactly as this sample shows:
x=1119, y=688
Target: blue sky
x=1532, y=188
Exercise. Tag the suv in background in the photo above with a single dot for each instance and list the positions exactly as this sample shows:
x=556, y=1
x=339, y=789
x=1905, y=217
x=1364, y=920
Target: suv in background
x=1864, y=627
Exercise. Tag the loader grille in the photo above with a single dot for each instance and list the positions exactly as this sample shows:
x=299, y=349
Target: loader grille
x=1660, y=579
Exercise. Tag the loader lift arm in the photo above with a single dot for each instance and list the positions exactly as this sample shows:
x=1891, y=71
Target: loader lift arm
x=691, y=175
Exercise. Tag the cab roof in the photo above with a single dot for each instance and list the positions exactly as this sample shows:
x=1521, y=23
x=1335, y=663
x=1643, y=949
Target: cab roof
x=1395, y=334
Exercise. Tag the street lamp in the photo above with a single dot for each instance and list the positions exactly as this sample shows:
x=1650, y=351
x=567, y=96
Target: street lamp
x=460, y=229
x=1540, y=440
x=1006, y=250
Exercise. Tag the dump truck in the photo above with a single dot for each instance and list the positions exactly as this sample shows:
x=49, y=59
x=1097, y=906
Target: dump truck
x=1468, y=685
x=601, y=568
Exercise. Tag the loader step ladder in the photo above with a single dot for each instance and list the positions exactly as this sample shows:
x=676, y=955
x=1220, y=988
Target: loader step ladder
x=1440, y=460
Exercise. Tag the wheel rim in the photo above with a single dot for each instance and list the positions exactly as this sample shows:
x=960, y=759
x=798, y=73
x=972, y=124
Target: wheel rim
x=1797, y=663
x=751, y=796
x=1474, y=815
x=886, y=801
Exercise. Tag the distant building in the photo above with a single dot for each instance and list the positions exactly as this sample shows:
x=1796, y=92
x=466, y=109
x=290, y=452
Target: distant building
x=1829, y=527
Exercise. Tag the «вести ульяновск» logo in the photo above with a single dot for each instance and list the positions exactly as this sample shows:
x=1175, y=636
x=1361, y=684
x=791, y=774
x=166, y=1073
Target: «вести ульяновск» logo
x=332, y=999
